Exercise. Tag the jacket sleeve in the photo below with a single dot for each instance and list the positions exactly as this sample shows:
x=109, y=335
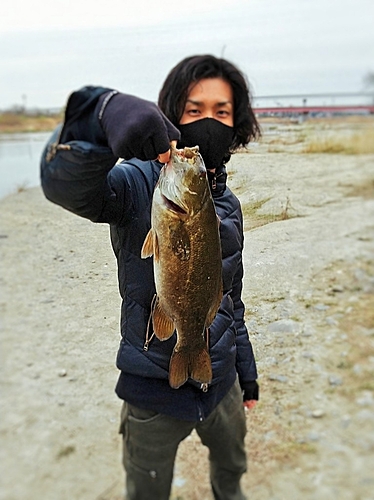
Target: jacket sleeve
x=245, y=360
x=76, y=161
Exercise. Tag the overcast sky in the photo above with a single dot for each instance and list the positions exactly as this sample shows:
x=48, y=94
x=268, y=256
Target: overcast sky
x=50, y=14
x=48, y=48
x=21, y=15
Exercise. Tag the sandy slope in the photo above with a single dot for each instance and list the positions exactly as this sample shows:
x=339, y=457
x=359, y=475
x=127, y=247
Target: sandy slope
x=309, y=293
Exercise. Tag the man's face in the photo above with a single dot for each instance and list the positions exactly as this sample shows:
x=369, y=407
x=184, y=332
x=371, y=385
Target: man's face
x=209, y=98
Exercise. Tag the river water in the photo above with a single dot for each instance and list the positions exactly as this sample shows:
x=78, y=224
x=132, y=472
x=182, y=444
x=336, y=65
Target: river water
x=19, y=160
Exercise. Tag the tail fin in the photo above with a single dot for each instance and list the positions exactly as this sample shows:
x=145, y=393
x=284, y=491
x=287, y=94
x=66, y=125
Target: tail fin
x=185, y=363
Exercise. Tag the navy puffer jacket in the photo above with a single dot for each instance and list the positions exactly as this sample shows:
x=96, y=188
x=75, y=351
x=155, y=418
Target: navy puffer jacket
x=78, y=172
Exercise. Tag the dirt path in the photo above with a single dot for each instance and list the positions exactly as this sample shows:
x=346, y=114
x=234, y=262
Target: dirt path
x=309, y=288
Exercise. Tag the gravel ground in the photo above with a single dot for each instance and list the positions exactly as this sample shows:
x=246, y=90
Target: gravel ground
x=309, y=285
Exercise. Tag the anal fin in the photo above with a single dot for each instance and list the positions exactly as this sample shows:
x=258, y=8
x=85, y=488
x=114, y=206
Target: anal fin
x=163, y=326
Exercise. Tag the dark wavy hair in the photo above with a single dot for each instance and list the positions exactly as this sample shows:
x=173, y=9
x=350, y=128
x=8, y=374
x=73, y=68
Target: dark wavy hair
x=174, y=92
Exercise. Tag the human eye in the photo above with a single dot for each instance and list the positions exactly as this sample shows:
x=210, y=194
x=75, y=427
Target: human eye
x=193, y=112
x=223, y=113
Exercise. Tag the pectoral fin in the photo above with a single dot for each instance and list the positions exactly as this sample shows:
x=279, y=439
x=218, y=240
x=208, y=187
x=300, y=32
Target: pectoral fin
x=150, y=246
x=163, y=326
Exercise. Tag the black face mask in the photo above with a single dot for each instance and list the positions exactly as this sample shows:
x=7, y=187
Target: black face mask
x=213, y=138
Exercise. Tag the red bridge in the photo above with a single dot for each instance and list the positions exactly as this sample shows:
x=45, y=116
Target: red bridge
x=348, y=109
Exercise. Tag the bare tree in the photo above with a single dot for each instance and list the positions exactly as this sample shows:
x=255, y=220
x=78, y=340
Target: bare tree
x=368, y=81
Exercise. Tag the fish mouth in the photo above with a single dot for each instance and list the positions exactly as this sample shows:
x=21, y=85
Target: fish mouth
x=170, y=205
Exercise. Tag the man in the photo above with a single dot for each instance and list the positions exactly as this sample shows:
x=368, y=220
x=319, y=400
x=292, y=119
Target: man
x=204, y=101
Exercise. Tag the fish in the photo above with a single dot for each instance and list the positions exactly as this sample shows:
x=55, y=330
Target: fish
x=185, y=244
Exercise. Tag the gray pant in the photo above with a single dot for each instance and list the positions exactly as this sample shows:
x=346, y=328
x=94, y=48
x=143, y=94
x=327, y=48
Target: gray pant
x=151, y=440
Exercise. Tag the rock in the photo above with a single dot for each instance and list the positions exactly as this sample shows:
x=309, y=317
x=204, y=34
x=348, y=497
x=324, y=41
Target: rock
x=334, y=380
x=318, y=413
x=313, y=437
x=365, y=415
x=278, y=378
x=345, y=421
x=62, y=373
x=284, y=326
x=366, y=399
x=308, y=331
x=357, y=369
x=321, y=307
x=330, y=320
x=252, y=325
x=278, y=410
x=288, y=359
x=308, y=355
x=269, y=436
x=270, y=361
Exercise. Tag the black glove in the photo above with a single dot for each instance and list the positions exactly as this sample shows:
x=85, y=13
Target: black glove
x=250, y=391
x=135, y=127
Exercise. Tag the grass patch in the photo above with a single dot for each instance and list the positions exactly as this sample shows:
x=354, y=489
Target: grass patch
x=20, y=188
x=353, y=308
x=253, y=219
x=364, y=190
x=354, y=144
x=358, y=324
x=65, y=452
x=287, y=139
x=251, y=208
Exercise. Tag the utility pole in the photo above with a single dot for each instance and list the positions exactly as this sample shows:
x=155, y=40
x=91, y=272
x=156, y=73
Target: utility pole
x=24, y=102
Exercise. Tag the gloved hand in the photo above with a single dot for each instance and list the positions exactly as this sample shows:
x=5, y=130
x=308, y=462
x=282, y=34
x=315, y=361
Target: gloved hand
x=135, y=127
x=250, y=393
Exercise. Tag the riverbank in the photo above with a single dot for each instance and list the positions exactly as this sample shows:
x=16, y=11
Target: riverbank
x=308, y=289
x=20, y=122
x=17, y=123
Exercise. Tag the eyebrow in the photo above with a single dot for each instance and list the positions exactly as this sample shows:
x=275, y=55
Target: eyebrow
x=199, y=103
